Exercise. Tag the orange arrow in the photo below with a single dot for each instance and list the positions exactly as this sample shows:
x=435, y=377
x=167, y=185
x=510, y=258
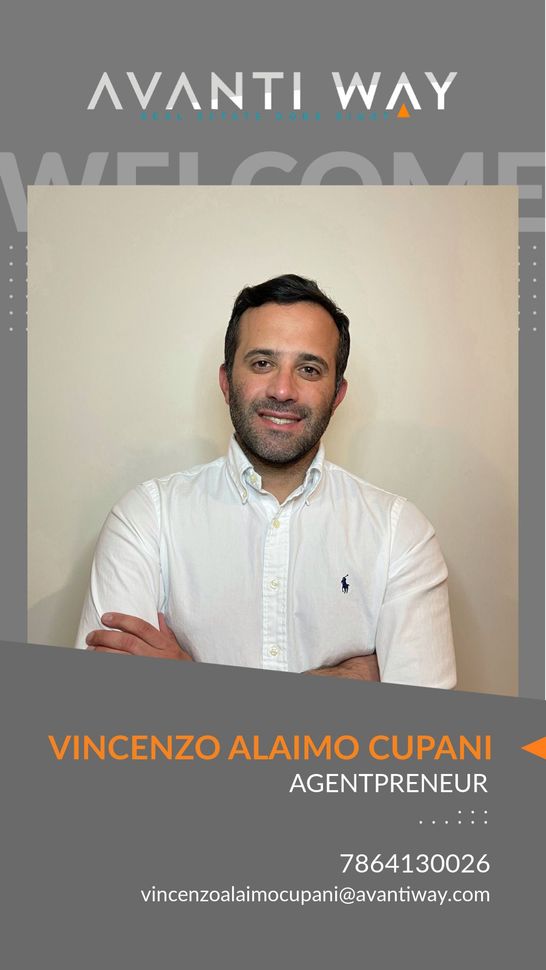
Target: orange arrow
x=403, y=113
x=536, y=747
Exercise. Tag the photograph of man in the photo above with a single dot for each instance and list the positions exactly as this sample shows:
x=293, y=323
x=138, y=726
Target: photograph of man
x=273, y=557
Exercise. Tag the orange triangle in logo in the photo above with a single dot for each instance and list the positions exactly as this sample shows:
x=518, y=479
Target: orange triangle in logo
x=536, y=747
x=403, y=113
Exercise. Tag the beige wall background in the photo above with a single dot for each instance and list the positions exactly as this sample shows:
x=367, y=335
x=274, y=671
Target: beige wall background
x=130, y=291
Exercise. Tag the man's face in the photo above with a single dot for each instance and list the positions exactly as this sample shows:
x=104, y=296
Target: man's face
x=281, y=393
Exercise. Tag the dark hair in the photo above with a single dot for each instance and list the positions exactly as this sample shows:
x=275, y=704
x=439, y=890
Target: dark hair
x=287, y=289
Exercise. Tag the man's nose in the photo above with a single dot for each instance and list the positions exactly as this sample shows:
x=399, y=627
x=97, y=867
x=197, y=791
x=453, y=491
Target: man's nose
x=282, y=385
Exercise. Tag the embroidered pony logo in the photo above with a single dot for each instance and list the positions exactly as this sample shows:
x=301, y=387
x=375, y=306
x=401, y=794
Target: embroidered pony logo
x=345, y=584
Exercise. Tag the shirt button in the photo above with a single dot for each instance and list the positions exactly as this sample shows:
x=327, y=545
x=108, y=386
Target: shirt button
x=275, y=524
x=244, y=493
x=273, y=652
x=274, y=584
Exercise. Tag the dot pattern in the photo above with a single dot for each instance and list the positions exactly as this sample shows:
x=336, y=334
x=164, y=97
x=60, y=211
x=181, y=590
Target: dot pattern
x=462, y=817
x=531, y=284
x=15, y=287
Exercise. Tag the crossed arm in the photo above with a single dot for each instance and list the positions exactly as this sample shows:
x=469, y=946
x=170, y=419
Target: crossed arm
x=131, y=636
x=412, y=637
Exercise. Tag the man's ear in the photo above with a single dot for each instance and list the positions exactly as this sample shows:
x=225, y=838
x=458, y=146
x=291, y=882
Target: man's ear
x=224, y=383
x=340, y=394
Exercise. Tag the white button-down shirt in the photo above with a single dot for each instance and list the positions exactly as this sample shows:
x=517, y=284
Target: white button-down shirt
x=339, y=569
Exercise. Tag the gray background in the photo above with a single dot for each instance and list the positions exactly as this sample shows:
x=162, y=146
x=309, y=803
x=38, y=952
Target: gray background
x=80, y=840
x=52, y=57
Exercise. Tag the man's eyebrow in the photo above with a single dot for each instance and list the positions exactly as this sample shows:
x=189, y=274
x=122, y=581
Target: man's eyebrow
x=300, y=359
x=314, y=359
x=261, y=352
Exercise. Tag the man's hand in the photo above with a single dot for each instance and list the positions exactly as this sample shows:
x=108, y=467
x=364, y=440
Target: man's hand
x=356, y=668
x=137, y=637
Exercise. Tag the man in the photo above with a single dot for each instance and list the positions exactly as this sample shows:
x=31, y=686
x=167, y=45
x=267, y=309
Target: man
x=273, y=557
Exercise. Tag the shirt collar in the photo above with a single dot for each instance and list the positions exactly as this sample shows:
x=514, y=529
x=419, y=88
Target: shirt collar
x=243, y=474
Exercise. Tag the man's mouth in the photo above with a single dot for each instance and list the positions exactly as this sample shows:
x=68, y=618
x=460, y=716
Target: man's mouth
x=280, y=418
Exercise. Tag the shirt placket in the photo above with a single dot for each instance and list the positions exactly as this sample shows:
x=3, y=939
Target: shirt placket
x=275, y=590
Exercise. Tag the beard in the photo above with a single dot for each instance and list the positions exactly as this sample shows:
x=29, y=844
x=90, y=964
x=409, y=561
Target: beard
x=267, y=444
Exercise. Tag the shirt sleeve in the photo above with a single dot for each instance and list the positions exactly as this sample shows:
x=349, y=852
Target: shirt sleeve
x=126, y=572
x=414, y=642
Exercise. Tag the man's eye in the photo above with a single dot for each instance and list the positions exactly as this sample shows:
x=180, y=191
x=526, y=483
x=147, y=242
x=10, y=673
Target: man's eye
x=261, y=364
x=309, y=371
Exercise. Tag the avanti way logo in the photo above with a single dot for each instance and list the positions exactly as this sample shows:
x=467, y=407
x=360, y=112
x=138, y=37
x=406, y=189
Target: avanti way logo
x=167, y=95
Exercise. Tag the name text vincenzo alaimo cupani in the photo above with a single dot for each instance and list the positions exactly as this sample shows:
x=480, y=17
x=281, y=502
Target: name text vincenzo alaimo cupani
x=382, y=748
